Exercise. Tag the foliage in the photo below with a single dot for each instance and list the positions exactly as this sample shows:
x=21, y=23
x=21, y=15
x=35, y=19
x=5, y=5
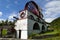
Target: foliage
x=55, y=24
x=8, y=23
x=4, y=32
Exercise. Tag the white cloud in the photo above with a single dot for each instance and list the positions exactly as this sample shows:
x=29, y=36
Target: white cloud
x=1, y=20
x=53, y=4
x=12, y=15
x=1, y=13
x=49, y=19
x=52, y=10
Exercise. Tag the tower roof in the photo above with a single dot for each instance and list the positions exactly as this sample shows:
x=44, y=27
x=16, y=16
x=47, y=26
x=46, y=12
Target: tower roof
x=33, y=7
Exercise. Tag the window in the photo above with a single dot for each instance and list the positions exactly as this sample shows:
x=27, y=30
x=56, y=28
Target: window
x=31, y=17
x=36, y=26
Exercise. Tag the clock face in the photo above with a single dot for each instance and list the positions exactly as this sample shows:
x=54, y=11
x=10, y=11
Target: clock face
x=22, y=14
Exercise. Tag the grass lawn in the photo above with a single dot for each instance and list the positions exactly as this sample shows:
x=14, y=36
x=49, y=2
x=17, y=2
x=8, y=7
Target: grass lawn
x=46, y=36
x=53, y=38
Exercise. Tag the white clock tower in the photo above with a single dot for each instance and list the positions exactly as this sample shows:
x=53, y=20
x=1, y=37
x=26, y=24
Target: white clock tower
x=30, y=21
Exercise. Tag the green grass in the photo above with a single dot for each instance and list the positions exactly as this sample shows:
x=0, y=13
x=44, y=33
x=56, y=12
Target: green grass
x=53, y=38
x=47, y=33
x=4, y=31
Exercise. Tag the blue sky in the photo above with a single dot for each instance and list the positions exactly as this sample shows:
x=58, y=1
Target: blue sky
x=10, y=8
